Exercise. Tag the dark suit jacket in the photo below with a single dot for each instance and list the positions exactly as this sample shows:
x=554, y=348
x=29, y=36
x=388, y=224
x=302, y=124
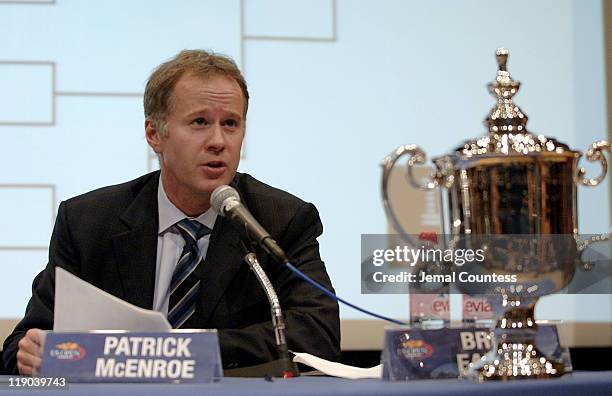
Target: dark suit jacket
x=108, y=237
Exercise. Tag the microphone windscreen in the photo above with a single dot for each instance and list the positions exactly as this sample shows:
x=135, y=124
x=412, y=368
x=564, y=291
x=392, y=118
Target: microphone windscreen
x=220, y=196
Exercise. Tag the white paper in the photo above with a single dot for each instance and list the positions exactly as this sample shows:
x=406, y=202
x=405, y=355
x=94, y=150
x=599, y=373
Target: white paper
x=80, y=306
x=337, y=369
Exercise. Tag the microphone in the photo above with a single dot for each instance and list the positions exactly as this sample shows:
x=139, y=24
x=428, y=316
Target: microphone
x=226, y=202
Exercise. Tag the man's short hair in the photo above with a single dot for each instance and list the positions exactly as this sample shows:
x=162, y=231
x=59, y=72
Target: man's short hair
x=160, y=86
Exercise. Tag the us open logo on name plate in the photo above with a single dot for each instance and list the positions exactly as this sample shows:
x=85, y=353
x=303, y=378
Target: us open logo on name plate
x=416, y=349
x=68, y=351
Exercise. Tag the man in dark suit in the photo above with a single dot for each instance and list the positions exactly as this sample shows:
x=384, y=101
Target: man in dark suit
x=146, y=240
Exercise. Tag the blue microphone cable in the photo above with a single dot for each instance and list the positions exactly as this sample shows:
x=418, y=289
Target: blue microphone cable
x=336, y=298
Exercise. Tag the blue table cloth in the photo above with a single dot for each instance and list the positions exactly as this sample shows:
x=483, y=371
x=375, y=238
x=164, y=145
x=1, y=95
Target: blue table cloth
x=578, y=383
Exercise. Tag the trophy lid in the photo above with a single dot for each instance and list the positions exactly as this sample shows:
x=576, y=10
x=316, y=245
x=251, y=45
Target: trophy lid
x=507, y=123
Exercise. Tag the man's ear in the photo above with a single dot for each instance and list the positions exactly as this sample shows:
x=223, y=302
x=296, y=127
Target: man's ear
x=153, y=135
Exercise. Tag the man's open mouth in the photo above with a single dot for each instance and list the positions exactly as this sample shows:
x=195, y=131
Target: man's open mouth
x=215, y=164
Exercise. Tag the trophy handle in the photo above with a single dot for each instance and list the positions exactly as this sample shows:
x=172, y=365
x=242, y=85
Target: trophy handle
x=416, y=156
x=582, y=245
x=595, y=153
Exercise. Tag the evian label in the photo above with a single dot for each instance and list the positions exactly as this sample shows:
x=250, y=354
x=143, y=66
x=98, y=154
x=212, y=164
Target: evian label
x=476, y=308
x=429, y=306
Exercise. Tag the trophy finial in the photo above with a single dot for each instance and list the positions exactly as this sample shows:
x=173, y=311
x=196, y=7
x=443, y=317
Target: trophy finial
x=507, y=123
x=505, y=117
x=502, y=58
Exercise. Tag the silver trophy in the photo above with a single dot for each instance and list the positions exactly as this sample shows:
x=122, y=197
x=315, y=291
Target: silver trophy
x=514, y=194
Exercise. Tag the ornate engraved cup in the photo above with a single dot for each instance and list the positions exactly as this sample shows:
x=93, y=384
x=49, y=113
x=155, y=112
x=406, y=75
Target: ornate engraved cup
x=497, y=191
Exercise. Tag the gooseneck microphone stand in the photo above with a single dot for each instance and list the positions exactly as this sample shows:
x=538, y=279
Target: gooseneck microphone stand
x=282, y=367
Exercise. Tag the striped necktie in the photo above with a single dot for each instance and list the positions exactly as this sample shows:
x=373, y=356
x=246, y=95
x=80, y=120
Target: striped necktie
x=185, y=285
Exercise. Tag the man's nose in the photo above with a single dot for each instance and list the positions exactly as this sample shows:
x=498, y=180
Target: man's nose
x=215, y=141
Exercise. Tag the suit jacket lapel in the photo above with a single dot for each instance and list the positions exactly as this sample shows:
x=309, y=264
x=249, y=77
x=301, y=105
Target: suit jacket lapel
x=223, y=260
x=136, y=248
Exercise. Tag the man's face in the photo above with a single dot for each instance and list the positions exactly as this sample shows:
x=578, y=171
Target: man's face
x=201, y=149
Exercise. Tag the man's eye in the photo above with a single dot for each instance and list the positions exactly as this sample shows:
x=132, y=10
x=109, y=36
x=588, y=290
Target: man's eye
x=200, y=121
x=231, y=123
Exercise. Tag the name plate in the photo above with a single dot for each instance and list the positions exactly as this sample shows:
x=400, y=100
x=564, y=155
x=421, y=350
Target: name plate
x=416, y=353
x=121, y=356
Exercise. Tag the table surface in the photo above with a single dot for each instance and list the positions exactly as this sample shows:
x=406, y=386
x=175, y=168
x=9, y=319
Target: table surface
x=578, y=383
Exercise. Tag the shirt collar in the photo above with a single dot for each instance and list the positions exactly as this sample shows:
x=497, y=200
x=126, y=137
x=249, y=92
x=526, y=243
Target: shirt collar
x=169, y=214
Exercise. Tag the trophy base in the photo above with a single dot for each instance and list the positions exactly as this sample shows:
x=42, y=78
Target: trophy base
x=515, y=361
